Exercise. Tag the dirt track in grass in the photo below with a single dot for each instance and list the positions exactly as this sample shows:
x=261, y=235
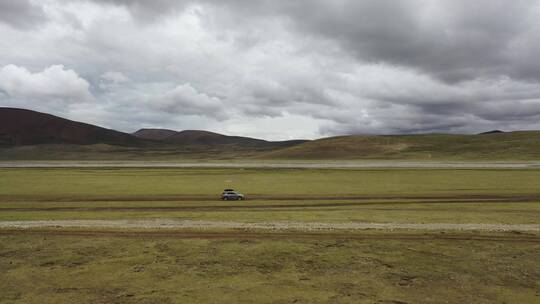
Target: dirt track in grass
x=381, y=203
x=385, y=206
x=250, y=235
x=360, y=199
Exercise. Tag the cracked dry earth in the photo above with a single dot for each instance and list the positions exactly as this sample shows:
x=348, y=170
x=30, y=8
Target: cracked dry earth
x=299, y=226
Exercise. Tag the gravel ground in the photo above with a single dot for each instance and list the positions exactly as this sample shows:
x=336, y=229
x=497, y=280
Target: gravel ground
x=300, y=226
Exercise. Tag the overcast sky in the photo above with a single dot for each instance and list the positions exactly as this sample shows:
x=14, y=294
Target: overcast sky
x=276, y=69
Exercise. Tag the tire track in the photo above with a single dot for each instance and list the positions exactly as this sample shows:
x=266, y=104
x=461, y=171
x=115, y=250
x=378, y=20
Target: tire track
x=201, y=198
x=275, y=236
x=246, y=207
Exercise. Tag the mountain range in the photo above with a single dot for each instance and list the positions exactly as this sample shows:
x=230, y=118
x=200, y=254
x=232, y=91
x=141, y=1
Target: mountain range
x=27, y=134
x=20, y=127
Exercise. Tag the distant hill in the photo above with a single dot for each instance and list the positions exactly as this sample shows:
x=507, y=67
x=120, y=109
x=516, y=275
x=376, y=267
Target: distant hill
x=154, y=134
x=26, y=134
x=20, y=127
x=210, y=138
x=26, y=127
x=522, y=145
x=206, y=138
x=491, y=132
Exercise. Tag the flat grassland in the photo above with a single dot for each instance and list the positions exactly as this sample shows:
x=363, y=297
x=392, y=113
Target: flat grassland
x=115, y=265
x=159, y=182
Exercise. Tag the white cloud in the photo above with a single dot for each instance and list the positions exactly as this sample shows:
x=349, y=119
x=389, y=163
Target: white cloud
x=53, y=83
x=186, y=100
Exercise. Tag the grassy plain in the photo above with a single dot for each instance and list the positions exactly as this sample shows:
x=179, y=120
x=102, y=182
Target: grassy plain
x=380, y=195
x=124, y=182
x=54, y=268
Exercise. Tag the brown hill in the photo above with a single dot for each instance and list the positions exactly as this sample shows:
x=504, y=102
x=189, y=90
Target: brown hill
x=199, y=137
x=154, y=134
x=206, y=138
x=491, y=132
x=26, y=127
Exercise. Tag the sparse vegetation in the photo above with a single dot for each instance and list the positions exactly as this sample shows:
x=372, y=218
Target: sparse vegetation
x=62, y=269
x=125, y=266
x=513, y=146
x=484, y=147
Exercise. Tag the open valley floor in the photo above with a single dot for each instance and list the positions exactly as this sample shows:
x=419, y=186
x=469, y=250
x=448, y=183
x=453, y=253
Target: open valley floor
x=137, y=234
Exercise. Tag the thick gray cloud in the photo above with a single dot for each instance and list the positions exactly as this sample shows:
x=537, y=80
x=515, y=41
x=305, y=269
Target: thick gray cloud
x=276, y=69
x=452, y=40
x=21, y=13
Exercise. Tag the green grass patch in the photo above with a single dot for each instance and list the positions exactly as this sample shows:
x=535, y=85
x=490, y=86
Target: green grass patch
x=88, y=183
x=74, y=191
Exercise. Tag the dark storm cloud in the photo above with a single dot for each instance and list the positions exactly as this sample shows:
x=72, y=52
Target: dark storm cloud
x=452, y=40
x=20, y=13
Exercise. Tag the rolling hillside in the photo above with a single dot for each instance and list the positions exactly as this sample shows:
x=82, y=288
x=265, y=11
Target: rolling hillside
x=206, y=138
x=25, y=127
x=522, y=145
x=26, y=134
x=31, y=135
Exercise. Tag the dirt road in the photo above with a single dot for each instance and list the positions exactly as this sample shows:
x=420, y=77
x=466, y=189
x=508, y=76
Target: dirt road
x=247, y=235
x=364, y=199
x=274, y=226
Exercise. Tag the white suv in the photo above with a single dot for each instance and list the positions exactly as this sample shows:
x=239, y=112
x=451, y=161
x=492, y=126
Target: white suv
x=231, y=195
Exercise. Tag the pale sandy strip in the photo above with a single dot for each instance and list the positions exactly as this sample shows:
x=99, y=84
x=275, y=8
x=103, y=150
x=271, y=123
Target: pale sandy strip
x=301, y=226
